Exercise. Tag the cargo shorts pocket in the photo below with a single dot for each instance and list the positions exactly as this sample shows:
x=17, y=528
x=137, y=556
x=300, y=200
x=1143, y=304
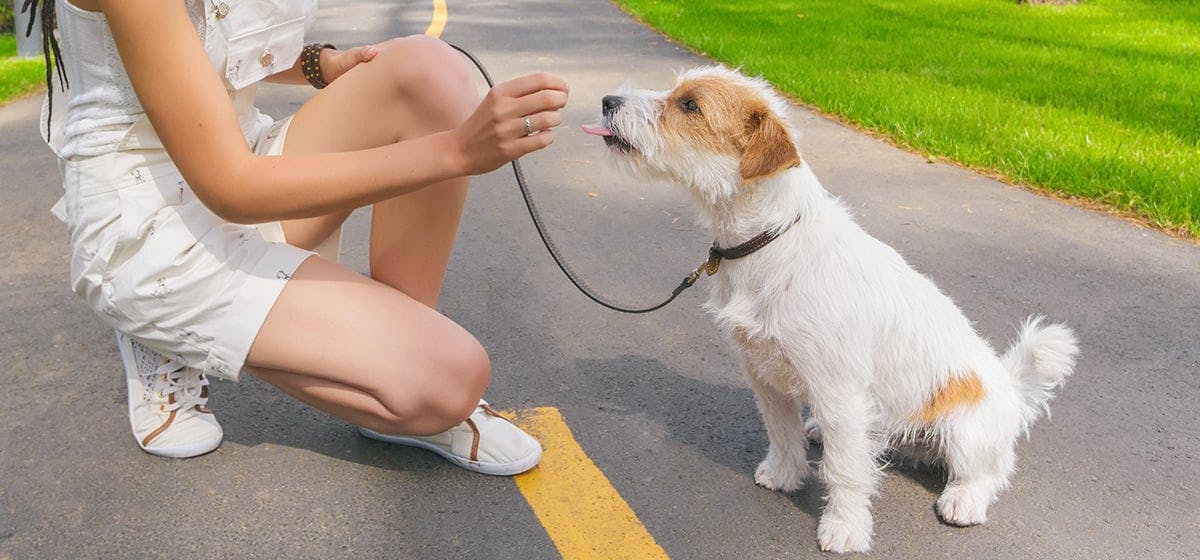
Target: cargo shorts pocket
x=151, y=255
x=142, y=208
x=139, y=204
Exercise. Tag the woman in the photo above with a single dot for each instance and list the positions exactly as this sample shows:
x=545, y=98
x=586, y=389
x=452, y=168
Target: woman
x=165, y=159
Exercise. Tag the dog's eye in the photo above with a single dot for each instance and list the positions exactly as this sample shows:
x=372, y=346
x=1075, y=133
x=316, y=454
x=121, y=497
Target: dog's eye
x=690, y=106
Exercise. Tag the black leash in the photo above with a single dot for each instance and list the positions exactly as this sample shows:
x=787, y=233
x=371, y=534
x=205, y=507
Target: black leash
x=709, y=267
x=541, y=229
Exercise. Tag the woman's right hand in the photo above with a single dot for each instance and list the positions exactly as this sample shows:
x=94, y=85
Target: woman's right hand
x=495, y=133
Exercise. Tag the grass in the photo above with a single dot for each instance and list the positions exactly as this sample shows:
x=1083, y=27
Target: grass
x=1099, y=101
x=18, y=76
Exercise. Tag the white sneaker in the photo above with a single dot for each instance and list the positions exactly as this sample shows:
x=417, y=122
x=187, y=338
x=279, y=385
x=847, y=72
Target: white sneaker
x=166, y=403
x=484, y=443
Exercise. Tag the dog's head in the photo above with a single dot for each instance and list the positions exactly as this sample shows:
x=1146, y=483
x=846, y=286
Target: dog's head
x=716, y=131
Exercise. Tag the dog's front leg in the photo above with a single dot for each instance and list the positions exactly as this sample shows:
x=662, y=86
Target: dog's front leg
x=786, y=464
x=848, y=469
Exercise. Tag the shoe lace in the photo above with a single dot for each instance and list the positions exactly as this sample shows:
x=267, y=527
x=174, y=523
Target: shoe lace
x=487, y=408
x=181, y=386
x=187, y=385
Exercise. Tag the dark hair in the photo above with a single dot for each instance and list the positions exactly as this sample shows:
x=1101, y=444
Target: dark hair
x=50, y=51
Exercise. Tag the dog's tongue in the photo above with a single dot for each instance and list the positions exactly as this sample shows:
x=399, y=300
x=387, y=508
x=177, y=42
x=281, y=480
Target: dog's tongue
x=598, y=130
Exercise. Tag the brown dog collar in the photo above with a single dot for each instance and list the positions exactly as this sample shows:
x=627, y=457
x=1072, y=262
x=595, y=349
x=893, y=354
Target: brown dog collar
x=716, y=254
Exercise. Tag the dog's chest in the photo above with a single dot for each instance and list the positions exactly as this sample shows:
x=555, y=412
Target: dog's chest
x=767, y=362
x=756, y=310
x=756, y=300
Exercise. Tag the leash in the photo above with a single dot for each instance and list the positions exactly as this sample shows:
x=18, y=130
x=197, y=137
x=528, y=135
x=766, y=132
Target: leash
x=708, y=267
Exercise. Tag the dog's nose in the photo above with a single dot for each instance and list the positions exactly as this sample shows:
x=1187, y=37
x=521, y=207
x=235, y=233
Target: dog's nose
x=611, y=103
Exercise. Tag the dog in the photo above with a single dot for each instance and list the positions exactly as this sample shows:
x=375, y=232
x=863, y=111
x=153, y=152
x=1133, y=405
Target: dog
x=828, y=319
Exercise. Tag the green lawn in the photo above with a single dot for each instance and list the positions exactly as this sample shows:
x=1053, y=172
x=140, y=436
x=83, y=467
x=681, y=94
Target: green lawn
x=18, y=76
x=1099, y=101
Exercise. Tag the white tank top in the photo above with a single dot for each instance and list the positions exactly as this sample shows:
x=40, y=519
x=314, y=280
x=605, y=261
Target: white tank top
x=246, y=40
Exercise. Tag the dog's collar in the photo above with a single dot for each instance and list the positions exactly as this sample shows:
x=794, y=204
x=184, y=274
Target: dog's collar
x=716, y=254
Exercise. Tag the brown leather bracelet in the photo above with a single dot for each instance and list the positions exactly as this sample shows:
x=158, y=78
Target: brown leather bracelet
x=310, y=64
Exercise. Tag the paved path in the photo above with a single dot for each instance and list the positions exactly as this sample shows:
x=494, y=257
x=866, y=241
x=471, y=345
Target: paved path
x=654, y=401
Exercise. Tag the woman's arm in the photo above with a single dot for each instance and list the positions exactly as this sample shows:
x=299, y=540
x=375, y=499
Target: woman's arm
x=189, y=108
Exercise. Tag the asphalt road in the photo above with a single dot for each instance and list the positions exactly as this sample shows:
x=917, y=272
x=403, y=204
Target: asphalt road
x=655, y=401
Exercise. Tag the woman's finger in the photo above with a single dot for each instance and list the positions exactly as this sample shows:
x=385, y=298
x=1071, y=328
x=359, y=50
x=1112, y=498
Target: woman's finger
x=538, y=122
x=544, y=121
x=533, y=143
x=545, y=100
x=525, y=85
x=342, y=61
x=366, y=53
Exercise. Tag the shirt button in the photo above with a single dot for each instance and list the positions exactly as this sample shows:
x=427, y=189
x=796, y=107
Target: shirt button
x=222, y=10
x=267, y=58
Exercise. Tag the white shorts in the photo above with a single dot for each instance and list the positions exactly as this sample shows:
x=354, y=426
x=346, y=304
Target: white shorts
x=159, y=266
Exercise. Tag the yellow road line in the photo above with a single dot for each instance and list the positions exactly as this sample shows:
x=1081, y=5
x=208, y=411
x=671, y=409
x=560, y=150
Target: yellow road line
x=580, y=510
x=438, y=23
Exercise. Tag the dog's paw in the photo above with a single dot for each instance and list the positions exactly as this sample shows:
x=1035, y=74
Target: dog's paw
x=836, y=534
x=785, y=475
x=812, y=430
x=959, y=505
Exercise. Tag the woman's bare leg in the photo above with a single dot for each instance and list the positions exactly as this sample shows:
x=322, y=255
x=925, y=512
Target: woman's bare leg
x=415, y=86
x=375, y=352
x=368, y=353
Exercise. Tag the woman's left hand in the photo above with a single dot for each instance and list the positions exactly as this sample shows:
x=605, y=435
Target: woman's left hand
x=334, y=63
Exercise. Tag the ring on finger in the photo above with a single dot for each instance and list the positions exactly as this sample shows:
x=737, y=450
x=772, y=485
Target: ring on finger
x=528, y=126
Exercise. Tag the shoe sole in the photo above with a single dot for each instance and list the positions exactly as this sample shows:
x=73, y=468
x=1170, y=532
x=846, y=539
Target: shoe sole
x=493, y=469
x=184, y=452
x=177, y=452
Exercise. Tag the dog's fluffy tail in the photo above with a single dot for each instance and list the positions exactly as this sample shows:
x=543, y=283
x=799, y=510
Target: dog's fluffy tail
x=1040, y=360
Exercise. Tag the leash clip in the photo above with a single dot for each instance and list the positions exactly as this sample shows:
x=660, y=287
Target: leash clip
x=713, y=263
x=708, y=267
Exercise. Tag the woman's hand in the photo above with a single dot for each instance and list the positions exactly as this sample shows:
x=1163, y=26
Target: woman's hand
x=495, y=133
x=334, y=63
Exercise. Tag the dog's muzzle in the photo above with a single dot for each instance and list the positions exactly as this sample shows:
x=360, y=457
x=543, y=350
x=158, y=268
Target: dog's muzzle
x=605, y=129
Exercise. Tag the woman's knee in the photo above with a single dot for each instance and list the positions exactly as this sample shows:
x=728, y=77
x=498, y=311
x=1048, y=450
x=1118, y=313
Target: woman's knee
x=463, y=371
x=468, y=364
x=431, y=77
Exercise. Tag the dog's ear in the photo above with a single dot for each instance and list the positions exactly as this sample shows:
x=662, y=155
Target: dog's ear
x=769, y=148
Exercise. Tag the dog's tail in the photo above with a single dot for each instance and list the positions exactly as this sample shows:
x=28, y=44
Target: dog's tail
x=1040, y=360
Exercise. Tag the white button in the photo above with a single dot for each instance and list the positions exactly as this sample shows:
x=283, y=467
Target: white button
x=267, y=58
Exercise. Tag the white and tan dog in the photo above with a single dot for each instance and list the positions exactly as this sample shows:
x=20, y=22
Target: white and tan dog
x=828, y=317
